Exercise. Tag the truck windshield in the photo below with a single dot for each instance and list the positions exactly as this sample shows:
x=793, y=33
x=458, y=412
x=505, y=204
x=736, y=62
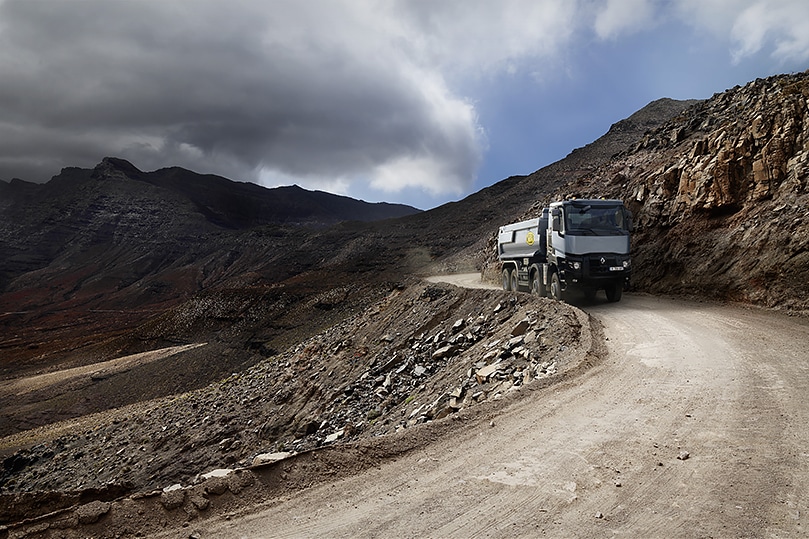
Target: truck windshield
x=595, y=221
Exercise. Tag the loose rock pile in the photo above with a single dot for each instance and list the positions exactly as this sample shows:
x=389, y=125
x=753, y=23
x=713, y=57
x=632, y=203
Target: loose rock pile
x=421, y=354
x=479, y=353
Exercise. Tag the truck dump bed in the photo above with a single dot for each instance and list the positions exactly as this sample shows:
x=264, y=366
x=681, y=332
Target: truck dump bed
x=525, y=239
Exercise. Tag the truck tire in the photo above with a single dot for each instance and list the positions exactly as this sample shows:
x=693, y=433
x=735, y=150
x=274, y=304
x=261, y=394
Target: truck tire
x=556, y=288
x=537, y=288
x=614, y=292
x=514, y=286
x=506, y=279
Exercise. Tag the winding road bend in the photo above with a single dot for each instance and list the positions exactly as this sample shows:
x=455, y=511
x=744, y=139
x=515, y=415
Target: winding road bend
x=696, y=424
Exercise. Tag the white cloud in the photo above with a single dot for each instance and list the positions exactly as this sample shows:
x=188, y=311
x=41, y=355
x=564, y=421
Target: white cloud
x=308, y=90
x=785, y=24
x=340, y=89
x=751, y=26
x=420, y=171
x=621, y=17
x=483, y=36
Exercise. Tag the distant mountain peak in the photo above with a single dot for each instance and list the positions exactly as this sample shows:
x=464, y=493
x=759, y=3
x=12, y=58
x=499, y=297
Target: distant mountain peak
x=114, y=168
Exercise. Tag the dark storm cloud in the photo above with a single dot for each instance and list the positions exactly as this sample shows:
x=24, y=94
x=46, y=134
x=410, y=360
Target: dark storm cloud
x=377, y=99
x=236, y=88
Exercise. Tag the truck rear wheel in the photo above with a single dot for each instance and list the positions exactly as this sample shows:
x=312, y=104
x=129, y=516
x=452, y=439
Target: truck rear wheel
x=556, y=288
x=506, y=279
x=537, y=287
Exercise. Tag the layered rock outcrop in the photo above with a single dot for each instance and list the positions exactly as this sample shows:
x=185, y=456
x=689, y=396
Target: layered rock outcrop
x=730, y=152
x=720, y=194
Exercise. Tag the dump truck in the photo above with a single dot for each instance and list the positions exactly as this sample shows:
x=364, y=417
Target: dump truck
x=579, y=244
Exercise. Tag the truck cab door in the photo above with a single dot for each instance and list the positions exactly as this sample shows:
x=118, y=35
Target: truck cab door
x=556, y=233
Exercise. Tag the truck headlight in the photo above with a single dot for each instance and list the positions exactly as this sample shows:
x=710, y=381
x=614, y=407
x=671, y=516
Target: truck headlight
x=576, y=265
x=626, y=264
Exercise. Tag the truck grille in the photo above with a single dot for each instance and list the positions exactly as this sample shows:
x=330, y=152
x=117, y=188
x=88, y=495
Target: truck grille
x=601, y=264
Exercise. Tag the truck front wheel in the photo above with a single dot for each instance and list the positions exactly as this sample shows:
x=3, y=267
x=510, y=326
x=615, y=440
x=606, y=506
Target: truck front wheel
x=506, y=279
x=556, y=288
x=614, y=292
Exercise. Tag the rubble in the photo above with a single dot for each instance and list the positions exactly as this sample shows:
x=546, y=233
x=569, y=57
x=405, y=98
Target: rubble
x=453, y=348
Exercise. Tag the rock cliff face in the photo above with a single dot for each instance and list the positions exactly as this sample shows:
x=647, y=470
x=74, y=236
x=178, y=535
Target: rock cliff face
x=720, y=195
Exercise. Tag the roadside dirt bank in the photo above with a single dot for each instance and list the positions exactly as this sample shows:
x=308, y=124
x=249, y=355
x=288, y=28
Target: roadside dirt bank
x=413, y=368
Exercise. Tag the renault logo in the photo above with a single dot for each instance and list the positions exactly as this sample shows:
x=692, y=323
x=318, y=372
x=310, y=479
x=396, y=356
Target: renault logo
x=602, y=260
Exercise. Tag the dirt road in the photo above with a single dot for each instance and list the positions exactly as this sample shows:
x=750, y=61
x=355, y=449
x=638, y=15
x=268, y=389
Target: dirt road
x=695, y=425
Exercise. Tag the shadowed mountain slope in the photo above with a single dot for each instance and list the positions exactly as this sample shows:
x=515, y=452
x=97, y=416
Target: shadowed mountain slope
x=94, y=252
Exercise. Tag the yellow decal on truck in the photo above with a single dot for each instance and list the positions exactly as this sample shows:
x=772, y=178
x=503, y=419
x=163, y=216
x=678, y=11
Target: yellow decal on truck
x=529, y=239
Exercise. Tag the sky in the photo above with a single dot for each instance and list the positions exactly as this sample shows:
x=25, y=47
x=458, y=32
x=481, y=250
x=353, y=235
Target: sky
x=419, y=102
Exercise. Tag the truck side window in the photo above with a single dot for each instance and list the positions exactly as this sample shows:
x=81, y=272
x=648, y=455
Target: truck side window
x=628, y=221
x=556, y=214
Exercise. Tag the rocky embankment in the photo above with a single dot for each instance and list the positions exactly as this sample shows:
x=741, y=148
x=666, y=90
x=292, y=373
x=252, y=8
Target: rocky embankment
x=720, y=195
x=423, y=355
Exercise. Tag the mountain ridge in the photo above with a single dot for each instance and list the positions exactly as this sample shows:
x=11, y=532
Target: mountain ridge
x=294, y=204
x=280, y=282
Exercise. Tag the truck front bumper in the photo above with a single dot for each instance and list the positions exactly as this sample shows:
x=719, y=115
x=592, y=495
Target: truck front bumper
x=597, y=270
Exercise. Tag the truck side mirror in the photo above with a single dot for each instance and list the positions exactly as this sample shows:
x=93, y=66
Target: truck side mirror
x=630, y=226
